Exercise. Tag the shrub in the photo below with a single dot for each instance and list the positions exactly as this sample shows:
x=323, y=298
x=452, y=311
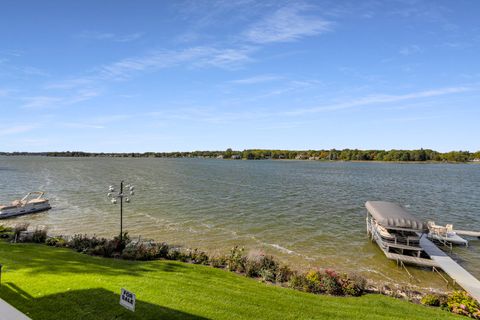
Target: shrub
x=283, y=274
x=218, y=262
x=331, y=282
x=267, y=275
x=460, y=302
x=39, y=235
x=431, y=300
x=162, y=250
x=19, y=228
x=198, y=257
x=56, y=242
x=314, y=282
x=140, y=250
x=236, y=260
x=298, y=281
x=82, y=243
x=6, y=232
x=105, y=249
x=353, y=285
x=257, y=264
x=252, y=268
x=177, y=254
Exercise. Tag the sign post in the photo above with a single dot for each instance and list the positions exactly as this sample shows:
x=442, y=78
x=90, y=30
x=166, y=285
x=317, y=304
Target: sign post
x=127, y=299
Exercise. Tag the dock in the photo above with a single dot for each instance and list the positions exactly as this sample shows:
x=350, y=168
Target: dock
x=461, y=276
x=468, y=233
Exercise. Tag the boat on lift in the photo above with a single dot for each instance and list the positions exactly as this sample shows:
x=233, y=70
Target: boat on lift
x=31, y=203
x=445, y=234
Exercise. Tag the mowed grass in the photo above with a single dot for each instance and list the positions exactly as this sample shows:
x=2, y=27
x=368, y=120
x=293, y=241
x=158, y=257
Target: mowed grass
x=58, y=283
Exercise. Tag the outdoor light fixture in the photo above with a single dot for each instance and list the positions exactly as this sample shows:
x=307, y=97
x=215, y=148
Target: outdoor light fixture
x=127, y=194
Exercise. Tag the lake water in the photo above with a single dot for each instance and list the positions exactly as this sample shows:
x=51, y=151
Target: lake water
x=307, y=213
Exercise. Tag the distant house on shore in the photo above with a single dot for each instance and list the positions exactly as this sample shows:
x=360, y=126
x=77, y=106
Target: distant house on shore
x=236, y=157
x=301, y=156
x=476, y=160
x=219, y=157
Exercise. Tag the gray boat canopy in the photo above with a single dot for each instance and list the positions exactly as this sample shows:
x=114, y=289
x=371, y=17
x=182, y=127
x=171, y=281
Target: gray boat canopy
x=392, y=216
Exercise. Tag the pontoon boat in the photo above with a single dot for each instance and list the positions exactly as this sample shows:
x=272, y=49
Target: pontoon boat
x=26, y=205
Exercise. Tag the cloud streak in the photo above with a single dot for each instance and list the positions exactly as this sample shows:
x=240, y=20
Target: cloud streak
x=199, y=57
x=380, y=98
x=285, y=25
x=16, y=130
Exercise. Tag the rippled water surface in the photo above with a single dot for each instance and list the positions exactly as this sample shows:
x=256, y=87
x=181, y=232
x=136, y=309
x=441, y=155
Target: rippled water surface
x=307, y=213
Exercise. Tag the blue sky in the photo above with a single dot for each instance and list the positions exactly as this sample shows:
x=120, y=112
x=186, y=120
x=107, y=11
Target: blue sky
x=139, y=76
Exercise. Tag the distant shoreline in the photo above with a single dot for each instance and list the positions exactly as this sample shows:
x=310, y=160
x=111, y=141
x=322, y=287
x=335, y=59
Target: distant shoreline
x=121, y=156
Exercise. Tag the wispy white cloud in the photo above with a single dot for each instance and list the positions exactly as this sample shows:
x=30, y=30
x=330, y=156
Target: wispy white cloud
x=40, y=102
x=257, y=79
x=16, y=130
x=44, y=102
x=196, y=56
x=380, y=98
x=95, y=35
x=289, y=23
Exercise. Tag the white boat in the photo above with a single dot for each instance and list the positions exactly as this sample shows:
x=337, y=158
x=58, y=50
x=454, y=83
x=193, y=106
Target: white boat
x=445, y=234
x=28, y=204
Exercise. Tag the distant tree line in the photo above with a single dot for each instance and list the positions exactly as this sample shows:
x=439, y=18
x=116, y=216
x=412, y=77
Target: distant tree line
x=420, y=155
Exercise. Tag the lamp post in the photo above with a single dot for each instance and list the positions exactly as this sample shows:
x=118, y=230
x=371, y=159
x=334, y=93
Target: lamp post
x=113, y=196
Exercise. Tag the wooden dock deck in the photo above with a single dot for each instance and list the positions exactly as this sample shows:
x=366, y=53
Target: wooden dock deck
x=467, y=233
x=461, y=276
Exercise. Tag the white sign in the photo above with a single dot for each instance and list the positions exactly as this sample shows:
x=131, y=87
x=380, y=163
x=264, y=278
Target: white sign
x=127, y=299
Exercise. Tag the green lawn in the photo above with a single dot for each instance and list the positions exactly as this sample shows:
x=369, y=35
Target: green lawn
x=52, y=283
